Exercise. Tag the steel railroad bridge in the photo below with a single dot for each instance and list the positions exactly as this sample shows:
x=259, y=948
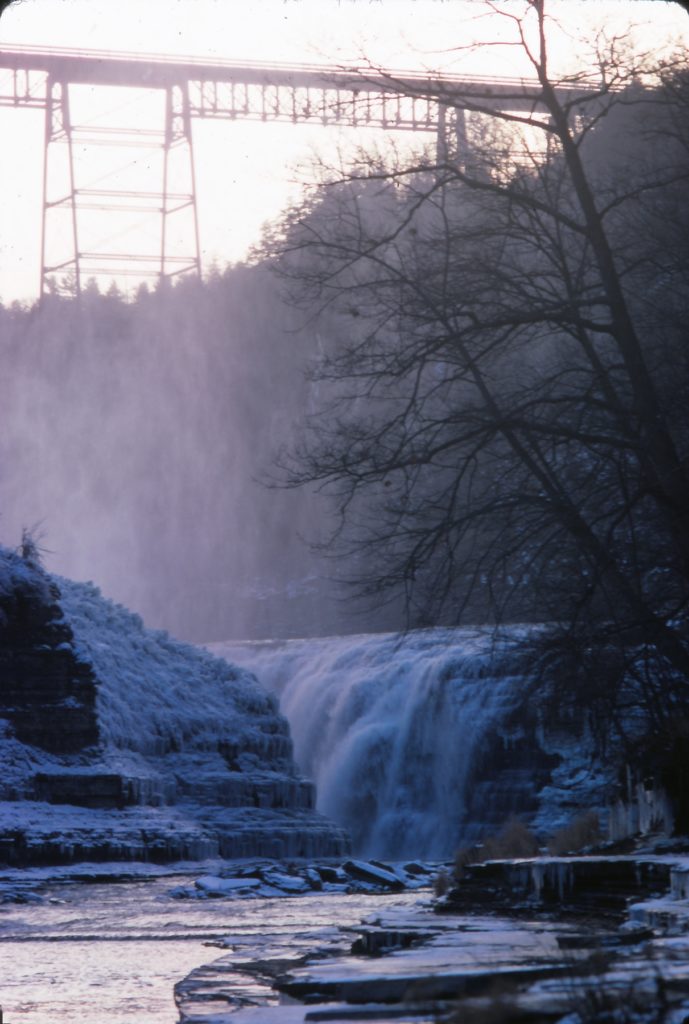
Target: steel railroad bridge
x=292, y=93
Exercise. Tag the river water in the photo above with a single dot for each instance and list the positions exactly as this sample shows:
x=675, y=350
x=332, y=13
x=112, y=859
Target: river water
x=111, y=953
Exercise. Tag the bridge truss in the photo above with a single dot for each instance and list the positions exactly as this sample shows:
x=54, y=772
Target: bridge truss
x=41, y=78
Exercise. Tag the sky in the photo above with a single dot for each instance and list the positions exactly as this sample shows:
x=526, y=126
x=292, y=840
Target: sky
x=246, y=173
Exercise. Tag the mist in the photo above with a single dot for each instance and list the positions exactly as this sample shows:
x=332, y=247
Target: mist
x=138, y=440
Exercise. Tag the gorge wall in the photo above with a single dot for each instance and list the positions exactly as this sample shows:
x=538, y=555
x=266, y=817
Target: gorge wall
x=117, y=742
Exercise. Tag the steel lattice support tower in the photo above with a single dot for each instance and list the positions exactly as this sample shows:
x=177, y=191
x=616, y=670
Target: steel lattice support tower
x=62, y=245
x=58, y=132
x=178, y=137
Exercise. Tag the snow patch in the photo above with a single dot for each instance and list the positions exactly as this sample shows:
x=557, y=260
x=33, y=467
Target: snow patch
x=157, y=694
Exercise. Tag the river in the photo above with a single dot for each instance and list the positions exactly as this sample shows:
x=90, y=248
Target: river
x=111, y=953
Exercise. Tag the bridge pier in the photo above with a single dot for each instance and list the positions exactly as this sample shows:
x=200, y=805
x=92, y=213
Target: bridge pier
x=69, y=252
x=452, y=141
x=179, y=147
x=57, y=141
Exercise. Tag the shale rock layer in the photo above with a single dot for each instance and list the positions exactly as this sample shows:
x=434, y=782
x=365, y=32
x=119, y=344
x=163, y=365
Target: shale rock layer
x=119, y=743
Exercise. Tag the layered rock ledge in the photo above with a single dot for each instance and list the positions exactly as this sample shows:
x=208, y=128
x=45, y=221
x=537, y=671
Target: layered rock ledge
x=548, y=940
x=120, y=743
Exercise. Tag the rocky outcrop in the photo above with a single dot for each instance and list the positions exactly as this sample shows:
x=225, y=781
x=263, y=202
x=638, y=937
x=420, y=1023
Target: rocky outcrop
x=597, y=886
x=38, y=668
x=508, y=775
x=117, y=742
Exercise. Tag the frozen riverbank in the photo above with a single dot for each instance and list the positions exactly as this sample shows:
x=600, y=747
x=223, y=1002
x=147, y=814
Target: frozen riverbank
x=111, y=953
x=261, y=943
x=518, y=940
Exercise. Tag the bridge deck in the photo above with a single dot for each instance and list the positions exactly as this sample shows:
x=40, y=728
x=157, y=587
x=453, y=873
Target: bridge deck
x=154, y=71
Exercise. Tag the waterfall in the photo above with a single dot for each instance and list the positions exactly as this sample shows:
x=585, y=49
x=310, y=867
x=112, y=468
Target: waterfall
x=390, y=726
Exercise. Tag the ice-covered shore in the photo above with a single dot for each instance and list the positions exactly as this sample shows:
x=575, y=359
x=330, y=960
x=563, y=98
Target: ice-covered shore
x=543, y=939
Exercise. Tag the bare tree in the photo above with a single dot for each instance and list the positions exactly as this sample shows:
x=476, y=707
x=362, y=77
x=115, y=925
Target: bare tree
x=504, y=428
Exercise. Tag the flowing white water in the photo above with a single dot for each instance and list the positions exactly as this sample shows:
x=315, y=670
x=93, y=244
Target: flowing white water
x=389, y=725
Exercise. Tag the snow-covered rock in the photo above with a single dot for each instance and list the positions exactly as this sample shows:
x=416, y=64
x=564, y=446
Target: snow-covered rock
x=136, y=745
x=270, y=879
x=213, y=885
x=288, y=883
x=373, y=874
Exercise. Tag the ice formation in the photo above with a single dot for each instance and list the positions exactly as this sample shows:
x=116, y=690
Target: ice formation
x=117, y=741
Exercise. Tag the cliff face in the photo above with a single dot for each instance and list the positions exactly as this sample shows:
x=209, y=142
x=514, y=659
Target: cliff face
x=119, y=742
x=47, y=695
